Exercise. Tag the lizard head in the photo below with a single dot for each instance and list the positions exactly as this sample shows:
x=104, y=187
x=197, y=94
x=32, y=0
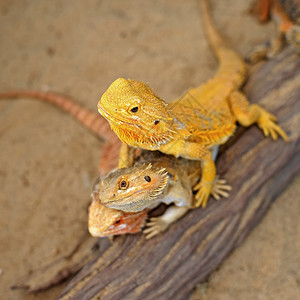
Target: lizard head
x=293, y=36
x=136, y=114
x=133, y=189
x=105, y=221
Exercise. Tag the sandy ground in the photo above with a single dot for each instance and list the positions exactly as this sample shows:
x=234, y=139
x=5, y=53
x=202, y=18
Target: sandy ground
x=48, y=162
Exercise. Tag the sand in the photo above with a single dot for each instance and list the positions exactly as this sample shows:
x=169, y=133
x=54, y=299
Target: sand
x=48, y=162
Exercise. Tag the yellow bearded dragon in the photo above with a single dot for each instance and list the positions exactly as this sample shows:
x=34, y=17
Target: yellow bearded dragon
x=124, y=196
x=192, y=126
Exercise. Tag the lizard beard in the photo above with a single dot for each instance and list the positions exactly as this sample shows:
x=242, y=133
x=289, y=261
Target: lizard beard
x=136, y=137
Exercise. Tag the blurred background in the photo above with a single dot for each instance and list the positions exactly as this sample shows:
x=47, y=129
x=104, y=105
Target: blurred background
x=48, y=162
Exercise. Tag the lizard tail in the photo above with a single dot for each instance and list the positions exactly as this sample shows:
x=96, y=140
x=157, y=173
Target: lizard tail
x=91, y=120
x=232, y=66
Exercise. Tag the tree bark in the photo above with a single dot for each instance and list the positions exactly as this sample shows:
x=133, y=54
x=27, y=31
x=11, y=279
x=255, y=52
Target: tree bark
x=170, y=265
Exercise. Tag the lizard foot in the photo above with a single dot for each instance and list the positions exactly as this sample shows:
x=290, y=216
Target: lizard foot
x=267, y=124
x=266, y=50
x=155, y=226
x=259, y=53
x=220, y=189
x=204, y=190
x=217, y=189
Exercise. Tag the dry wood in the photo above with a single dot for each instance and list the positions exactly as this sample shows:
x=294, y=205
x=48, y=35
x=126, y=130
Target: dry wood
x=170, y=265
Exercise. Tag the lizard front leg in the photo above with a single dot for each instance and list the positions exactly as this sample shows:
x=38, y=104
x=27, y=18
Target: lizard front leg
x=126, y=157
x=247, y=115
x=266, y=50
x=160, y=224
x=205, y=186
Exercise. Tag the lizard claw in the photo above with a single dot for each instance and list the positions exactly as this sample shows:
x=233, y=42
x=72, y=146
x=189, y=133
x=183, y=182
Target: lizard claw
x=204, y=190
x=267, y=123
x=220, y=189
x=217, y=189
x=260, y=52
x=154, y=227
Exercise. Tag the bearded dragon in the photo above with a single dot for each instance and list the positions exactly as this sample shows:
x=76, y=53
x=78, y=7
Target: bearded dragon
x=124, y=196
x=104, y=221
x=86, y=117
x=286, y=13
x=193, y=126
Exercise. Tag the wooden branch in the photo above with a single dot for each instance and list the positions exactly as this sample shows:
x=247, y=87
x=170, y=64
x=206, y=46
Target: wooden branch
x=170, y=265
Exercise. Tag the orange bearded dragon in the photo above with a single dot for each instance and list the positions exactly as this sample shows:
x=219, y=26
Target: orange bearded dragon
x=193, y=126
x=104, y=221
x=286, y=13
x=124, y=196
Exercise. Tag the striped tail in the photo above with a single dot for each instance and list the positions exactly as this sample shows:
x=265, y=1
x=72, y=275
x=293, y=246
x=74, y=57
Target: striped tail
x=91, y=120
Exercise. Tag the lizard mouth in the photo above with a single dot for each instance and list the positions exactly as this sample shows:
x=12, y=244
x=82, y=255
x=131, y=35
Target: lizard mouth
x=136, y=133
x=122, y=202
x=131, y=223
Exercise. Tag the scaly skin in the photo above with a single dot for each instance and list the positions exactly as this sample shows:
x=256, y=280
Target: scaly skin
x=155, y=178
x=86, y=117
x=104, y=221
x=286, y=13
x=195, y=124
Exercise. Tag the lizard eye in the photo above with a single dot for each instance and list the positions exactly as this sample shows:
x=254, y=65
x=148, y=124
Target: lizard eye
x=156, y=122
x=123, y=184
x=118, y=221
x=147, y=178
x=134, y=109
